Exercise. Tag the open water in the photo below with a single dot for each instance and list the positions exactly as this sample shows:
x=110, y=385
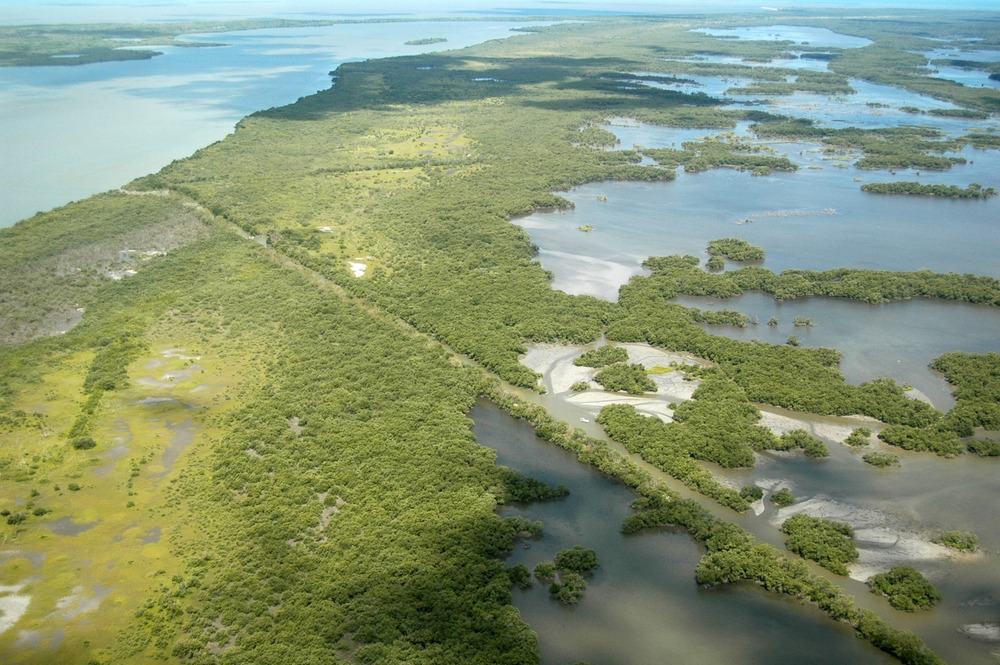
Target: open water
x=69, y=132
x=72, y=131
x=816, y=218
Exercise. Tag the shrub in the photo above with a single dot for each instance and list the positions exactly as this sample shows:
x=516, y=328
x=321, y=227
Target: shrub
x=827, y=542
x=881, y=460
x=569, y=589
x=628, y=378
x=858, y=437
x=546, y=570
x=783, y=497
x=736, y=249
x=602, y=357
x=984, y=448
x=958, y=540
x=82, y=442
x=576, y=559
x=519, y=575
x=905, y=588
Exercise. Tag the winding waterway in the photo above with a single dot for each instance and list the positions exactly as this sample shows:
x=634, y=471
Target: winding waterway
x=816, y=218
x=642, y=604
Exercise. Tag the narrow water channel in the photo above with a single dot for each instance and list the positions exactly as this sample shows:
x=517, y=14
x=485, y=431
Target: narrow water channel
x=643, y=605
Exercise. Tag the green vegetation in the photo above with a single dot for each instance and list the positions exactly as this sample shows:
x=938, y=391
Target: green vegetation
x=973, y=191
x=881, y=460
x=334, y=457
x=799, y=438
x=718, y=425
x=545, y=571
x=905, y=588
x=735, y=249
x=667, y=447
x=676, y=275
x=797, y=378
x=984, y=448
x=425, y=41
x=820, y=83
x=958, y=540
x=602, y=357
x=935, y=440
x=827, y=542
x=783, y=498
x=751, y=493
x=54, y=262
x=566, y=573
x=967, y=114
x=519, y=576
x=726, y=317
x=282, y=519
x=982, y=140
x=569, y=587
x=580, y=386
x=732, y=555
x=976, y=378
x=518, y=487
x=630, y=378
x=890, y=61
x=859, y=436
x=725, y=151
x=577, y=559
x=889, y=148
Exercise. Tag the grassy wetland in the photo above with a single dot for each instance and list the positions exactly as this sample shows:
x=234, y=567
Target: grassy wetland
x=234, y=394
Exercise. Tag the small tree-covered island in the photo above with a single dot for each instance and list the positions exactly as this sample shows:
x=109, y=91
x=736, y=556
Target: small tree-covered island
x=238, y=395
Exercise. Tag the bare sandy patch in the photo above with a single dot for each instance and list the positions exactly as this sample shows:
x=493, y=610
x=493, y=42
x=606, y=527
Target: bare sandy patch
x=13, y=606
x=882, y=540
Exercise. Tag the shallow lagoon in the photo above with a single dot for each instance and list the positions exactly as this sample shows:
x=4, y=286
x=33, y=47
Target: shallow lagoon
x=642, y=604
x=820, y=37
x=70, y=132
x=816, y=218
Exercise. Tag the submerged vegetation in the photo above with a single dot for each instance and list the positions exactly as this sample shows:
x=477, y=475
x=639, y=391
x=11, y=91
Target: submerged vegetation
x=425, y=41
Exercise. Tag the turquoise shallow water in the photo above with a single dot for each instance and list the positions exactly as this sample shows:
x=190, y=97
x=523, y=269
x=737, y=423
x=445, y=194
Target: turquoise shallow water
x=69, y=132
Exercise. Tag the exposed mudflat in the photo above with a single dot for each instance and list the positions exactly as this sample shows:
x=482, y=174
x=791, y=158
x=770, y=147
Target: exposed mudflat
x=883, y=540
